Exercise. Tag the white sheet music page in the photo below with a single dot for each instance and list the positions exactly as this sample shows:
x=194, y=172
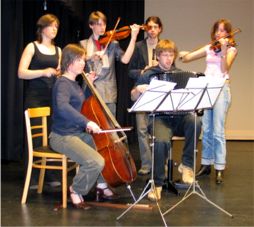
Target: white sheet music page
x=213, y=88
x=152, y=97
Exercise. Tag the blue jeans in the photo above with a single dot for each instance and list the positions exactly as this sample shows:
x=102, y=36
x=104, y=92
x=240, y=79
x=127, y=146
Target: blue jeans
x=214, y=142
x=142, y=121
x=81, y=149
x=165, y=127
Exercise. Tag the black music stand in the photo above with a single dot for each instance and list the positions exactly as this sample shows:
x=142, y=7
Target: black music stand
x=200, y=94
x=149, y=101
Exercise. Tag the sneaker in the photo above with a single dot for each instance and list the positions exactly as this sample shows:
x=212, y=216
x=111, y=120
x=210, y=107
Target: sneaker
x=154, y=195
x=143, y=171
x=52, y=184
x=187, y=174
x=33, y=187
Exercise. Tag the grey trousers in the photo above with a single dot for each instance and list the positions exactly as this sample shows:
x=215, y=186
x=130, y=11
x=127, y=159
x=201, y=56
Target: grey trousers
x=81, y=149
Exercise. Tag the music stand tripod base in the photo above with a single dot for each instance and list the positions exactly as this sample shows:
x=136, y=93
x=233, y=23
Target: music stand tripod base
x=150, y=183
x=195, y=184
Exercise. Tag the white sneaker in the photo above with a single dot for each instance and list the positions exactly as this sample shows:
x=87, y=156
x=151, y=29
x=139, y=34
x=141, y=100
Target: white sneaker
x=52, y=184
x=154, y=195
x=187, y=174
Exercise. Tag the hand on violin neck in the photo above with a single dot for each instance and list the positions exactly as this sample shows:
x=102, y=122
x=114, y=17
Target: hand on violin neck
x=134, y=30
x=92, y=127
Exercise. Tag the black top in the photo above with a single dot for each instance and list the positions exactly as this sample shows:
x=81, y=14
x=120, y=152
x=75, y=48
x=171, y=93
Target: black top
x=43, y=61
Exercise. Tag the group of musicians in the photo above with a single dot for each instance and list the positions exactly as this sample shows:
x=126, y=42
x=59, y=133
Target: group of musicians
x=51, y=74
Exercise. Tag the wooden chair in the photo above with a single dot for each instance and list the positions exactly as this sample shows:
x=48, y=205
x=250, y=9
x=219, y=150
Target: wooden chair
x=43, y=157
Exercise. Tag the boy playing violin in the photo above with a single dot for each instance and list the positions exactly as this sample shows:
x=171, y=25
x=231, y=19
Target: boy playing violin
x=101, y=59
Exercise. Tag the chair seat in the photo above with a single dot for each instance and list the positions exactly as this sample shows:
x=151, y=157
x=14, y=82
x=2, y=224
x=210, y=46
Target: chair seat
x=46, y=151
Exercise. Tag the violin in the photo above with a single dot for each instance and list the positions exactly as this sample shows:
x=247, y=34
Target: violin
x=118, y=34
x=216, y=45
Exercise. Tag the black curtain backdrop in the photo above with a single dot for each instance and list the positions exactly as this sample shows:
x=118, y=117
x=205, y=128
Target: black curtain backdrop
x=18, y=18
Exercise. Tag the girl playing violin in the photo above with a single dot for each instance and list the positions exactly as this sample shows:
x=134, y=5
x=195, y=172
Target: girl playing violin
x=220, y=55
x=103, y=61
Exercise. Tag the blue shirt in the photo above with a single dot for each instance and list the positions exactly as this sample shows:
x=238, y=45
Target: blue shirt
x=67, y=101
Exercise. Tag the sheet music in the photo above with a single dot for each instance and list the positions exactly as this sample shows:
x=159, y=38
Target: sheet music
x=200, y=93
x=213, y=88
x=150, y=99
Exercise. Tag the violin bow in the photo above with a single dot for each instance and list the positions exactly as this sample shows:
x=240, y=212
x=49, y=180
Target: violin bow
x=235, y=31
x=113, y=31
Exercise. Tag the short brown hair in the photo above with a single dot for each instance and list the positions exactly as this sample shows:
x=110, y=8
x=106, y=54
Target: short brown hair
x=43, y=22
x=166, y=45
x=70, y=53
x=95, y=16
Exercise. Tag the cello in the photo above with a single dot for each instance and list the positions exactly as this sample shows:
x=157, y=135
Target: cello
x=119, y=165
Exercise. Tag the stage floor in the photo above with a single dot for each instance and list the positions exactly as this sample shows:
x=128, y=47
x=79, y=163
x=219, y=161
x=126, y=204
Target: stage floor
x=235, y=195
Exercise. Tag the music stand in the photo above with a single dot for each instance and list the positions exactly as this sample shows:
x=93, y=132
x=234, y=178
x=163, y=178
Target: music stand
x=149, y=101
x=202, y=94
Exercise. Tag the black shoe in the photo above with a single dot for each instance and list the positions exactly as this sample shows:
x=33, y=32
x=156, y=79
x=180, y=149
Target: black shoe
x=204, y=170
x=219, y=176
x=101, y=196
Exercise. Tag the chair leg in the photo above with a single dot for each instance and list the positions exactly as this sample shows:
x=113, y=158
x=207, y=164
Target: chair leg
x=170, y=183
x=64, y=182
x=27, y=183
x=41, y=177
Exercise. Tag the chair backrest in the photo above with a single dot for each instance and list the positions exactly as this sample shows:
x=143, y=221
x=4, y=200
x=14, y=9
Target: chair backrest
x=36, y=126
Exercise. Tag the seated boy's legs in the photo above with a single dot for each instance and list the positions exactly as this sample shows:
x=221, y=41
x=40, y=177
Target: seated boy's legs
x=162, y=135
x=185, y=126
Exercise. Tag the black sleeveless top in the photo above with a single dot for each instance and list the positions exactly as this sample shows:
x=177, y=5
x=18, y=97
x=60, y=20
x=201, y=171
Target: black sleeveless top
x=39, y=90
x=42, y=61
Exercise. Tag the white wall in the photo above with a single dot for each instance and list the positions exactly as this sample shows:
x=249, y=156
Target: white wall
x=188, y=23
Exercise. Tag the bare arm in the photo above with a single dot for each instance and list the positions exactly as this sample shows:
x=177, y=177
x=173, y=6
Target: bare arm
x=186, y=56
x=23, y=70
x=130, y=49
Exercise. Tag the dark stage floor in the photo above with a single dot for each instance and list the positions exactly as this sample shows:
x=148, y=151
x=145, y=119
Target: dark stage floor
x=235, y=195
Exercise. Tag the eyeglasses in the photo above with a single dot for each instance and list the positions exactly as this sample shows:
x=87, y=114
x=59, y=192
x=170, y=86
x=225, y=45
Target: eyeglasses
x=153, y=27
x=168, y=55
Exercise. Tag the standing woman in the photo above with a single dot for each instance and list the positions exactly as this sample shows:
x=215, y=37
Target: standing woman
x=218, y=63
x=39, y=65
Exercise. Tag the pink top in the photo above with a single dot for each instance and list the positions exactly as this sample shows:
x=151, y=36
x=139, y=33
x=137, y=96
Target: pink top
x=213, y=63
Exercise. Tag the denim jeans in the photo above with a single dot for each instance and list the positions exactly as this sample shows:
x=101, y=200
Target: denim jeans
x=165, y=127
x=142, y=121
x=213, y=142
x=81, y=149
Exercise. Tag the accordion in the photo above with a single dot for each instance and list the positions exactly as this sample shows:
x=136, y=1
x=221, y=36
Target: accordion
x=179, y=77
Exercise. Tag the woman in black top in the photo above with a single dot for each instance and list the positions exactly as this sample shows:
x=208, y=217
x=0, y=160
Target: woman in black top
x=39, y=65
